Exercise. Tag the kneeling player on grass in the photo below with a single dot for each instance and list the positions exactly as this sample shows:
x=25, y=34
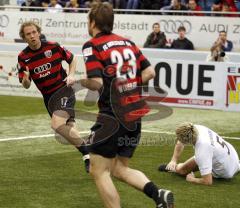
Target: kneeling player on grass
x=213, y=156
x=41, y=62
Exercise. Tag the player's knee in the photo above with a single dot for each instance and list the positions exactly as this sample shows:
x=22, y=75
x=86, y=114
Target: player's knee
x=56, y=123
x=119, y=172
x=99, y=175
x=94, y=171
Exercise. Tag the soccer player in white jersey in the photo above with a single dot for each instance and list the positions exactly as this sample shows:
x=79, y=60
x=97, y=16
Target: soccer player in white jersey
x=213, y=156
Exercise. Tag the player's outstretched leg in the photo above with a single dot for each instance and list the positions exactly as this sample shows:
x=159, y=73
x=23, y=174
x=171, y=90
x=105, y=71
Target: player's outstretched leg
x=162, y=197
x=137, y=179
x=165, y=199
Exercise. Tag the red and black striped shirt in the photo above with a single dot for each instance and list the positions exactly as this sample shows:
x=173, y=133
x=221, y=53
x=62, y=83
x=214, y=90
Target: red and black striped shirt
x=45, y=66
x=119, y=62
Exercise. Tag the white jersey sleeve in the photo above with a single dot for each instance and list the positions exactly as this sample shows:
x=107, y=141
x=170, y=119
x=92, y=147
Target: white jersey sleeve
x=215, y=155
x=203, y=157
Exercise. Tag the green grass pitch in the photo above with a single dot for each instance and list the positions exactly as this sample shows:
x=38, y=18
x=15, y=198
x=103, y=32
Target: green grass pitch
x=41, y=173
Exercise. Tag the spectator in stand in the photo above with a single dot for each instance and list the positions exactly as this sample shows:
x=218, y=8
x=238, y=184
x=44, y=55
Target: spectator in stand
x=217, y=54
x=63, y=2
x=152, y=4
x=227, y=45
x=206, y=4
x=132, y=4
x=227, y=8
x=237, y=3
x=54, y=7
x=175, y=5
x=182, y=42
x=193, y=6
x=28, y=3
x=118, y=4
x=44, y=3
x=19, y=2
x=81, y=3
x=218, y=5
x=156, y=39
x=88, y=3
x=73, y=5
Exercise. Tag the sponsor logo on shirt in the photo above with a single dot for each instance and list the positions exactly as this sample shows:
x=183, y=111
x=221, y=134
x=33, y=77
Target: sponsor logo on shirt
x=27, y=60
x=48, y=53
x=43, y=70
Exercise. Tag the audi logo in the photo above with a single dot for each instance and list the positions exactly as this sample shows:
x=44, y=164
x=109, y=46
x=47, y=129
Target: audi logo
x=171, y=26
x=42, y=68
x=4, y=20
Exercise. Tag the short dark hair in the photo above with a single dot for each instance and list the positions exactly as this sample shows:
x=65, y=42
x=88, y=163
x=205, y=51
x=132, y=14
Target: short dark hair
x=102, y=14
x=181, y=28
x=156, y=23
x=222, y=31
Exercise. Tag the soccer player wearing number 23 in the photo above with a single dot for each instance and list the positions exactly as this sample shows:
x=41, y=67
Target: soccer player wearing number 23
x=117, y=68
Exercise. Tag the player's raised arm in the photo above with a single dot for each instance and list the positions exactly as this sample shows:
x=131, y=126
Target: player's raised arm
x=23, y=74
x=26, y=82
x=70, y=79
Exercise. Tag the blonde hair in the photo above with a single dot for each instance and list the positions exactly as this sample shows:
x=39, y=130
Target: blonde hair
x=186, y=133
x=26, y=24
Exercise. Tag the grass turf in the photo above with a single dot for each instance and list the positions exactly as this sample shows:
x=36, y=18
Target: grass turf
x=41, y=173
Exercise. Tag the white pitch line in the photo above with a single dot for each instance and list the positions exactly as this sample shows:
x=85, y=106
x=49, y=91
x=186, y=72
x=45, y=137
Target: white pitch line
x=86, y=132
x=26, y=137
x=157, y=132
x=171, y=133
x=33, y=137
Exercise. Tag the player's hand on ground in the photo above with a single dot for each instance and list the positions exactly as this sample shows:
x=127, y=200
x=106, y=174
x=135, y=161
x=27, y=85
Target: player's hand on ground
x=190, y=177
x=70, y=80
x=171, y=166
x=26, y=74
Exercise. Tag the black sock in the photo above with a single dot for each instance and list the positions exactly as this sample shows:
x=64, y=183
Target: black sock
x=83, y=150
x=151, y=190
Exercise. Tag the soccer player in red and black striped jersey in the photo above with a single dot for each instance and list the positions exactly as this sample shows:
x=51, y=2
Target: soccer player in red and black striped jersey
x=41, y=62
x=117, y=69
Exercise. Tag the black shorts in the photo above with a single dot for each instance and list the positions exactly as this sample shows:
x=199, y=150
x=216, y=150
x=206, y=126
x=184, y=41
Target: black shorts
x=63, y=99
x=121, y=142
